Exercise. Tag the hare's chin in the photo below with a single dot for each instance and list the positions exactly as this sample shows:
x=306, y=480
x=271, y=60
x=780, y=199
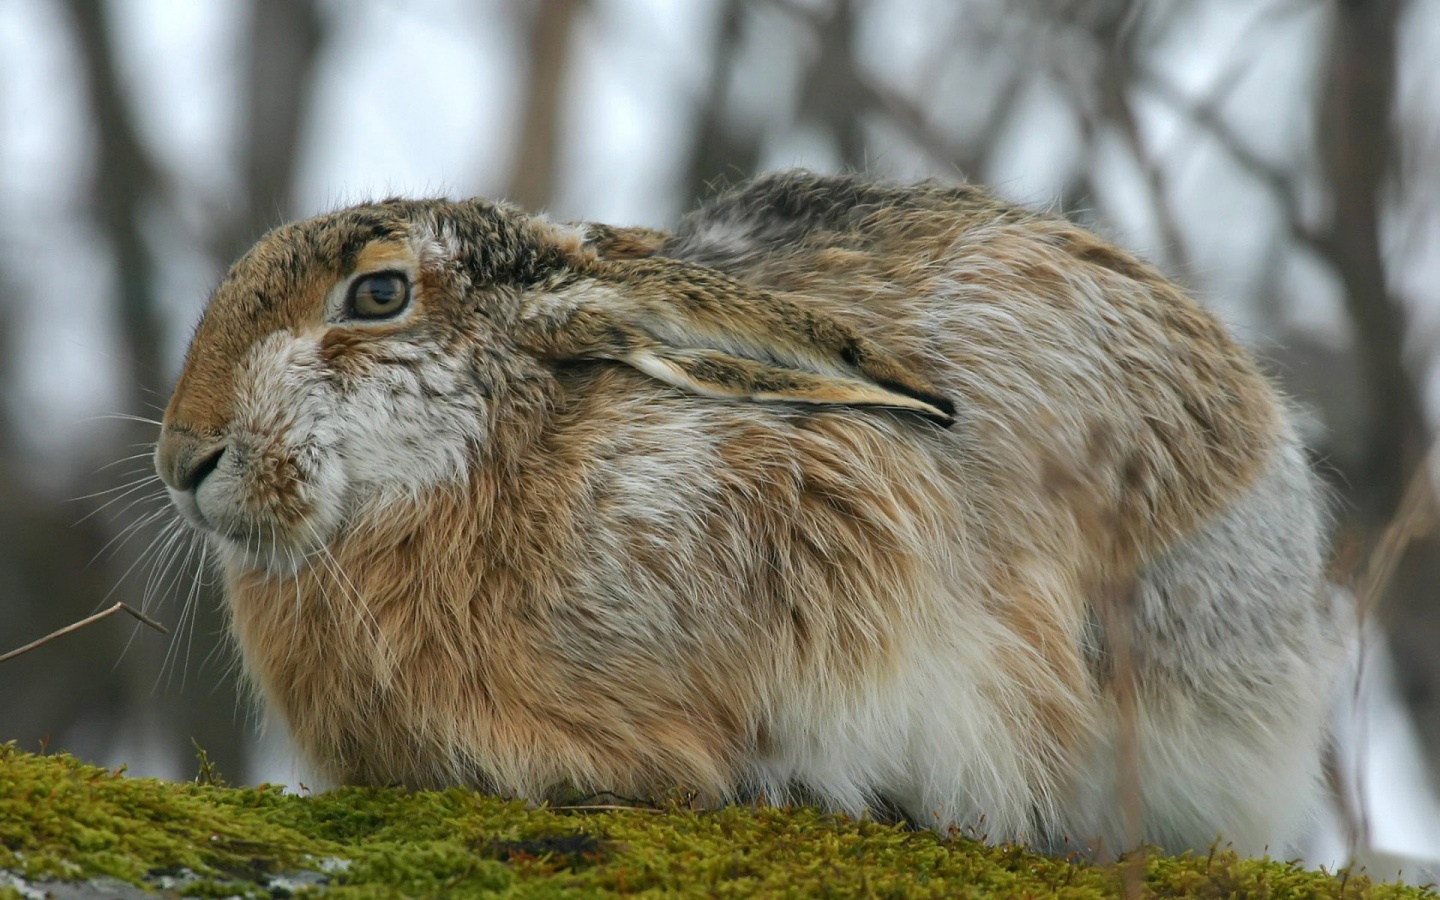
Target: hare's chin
x=267, y=552
x=254, y=543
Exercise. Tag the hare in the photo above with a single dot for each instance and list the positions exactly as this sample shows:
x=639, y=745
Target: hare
x=883, y=497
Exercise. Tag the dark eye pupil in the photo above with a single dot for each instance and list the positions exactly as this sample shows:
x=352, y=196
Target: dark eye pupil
x=382, y=291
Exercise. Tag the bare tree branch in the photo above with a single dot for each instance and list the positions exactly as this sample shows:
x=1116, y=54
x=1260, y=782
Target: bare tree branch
x=1113, y=31
x=1120, y=111
x=719, y=147
x=859, y=95
x=281, y=52
x=537, y=147
x=1357, y=149
x=831, y=93
x=125, y=177
x=1280, y=182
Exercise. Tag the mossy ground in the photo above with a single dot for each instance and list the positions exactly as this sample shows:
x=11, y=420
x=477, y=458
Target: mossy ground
x=61, y=819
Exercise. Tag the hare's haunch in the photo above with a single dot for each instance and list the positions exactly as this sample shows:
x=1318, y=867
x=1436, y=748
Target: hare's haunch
x=842, y=490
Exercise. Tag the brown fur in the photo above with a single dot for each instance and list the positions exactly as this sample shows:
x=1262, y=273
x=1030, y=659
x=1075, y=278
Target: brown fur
x=712, y=478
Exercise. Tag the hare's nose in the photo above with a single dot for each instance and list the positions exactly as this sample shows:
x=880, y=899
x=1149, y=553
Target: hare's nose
x=189, y=479
x=183, y=461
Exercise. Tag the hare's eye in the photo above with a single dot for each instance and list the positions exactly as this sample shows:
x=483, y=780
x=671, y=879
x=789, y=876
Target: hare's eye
x=379, y=296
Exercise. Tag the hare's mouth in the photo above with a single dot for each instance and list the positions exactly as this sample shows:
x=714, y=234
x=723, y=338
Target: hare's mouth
x=255, y=542
x=259, y=527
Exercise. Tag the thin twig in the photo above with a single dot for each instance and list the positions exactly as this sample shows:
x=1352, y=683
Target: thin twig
x=1414, y=518
x=1280, y=181
x=1122, y=114
x=76, y=626
x=905, y=113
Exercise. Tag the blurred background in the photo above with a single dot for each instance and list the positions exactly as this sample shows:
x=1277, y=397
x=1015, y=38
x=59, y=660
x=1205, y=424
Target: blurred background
x=1281, y=158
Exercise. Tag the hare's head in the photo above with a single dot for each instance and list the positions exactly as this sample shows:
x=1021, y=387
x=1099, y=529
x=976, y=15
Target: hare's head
x=361, y=357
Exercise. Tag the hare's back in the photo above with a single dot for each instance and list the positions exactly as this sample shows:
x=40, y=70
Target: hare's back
x=1073, y=365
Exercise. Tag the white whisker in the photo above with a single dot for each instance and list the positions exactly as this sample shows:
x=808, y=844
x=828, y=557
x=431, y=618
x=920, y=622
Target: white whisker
x=145, y=454
x=160, y=554
x=299, y=602
x=127, y=489
x=160, y=574
x=125, y=534
x=142, y=557
x=347, y=589
x=153, y=551
x=136, y=478
x=123, y=417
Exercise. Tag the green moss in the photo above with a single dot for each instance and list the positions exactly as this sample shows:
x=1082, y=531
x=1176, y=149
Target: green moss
x=61, y=819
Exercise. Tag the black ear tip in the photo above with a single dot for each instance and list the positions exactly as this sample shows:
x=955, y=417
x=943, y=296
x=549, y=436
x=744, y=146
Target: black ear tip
x=943, y=407
x=946, y=418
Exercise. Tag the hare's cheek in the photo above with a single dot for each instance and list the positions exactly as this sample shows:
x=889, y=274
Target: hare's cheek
x=280, y=485
x=410, y=426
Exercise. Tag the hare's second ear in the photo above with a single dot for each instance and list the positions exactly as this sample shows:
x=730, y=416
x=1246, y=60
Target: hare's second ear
x=610, y=242
x=701, y=331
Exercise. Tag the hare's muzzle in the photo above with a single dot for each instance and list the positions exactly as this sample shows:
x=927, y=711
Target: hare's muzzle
x=183, y=461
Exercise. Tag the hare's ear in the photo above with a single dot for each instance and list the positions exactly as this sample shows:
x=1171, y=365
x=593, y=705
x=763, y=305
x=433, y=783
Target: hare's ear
x=702, y=331
x=610, y=242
